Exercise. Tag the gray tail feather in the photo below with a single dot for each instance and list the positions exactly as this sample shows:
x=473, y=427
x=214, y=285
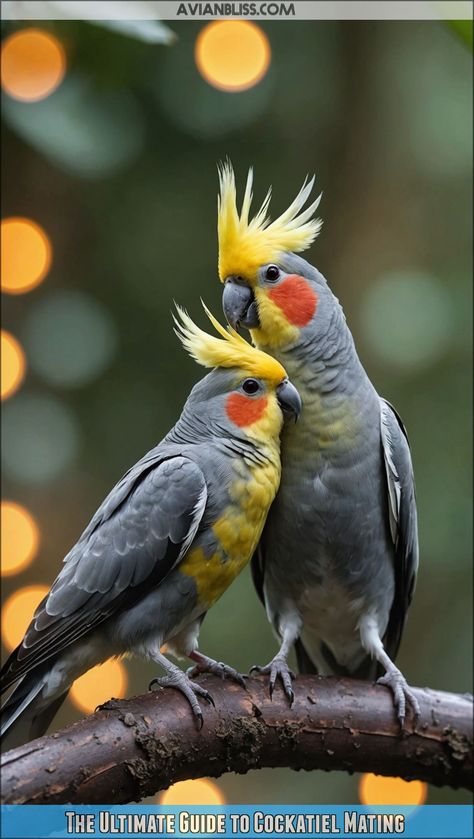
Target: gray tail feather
x=20, y=720
x=368, y=670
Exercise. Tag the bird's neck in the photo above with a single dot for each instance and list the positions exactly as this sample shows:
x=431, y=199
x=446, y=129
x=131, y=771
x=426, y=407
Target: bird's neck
x=194, y=432
x=323, y=361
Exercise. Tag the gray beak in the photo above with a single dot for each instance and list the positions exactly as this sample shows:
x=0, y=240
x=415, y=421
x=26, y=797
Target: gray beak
x=239, y=304
x=289, y=400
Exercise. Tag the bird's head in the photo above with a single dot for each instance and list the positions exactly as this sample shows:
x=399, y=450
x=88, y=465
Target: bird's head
x=268, y=288
x=248, y=391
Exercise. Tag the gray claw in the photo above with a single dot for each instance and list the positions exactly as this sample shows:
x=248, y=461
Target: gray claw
x=179, y=680
x=218, y=668
x=402, y=694
x=207, y=696
x=277, y=669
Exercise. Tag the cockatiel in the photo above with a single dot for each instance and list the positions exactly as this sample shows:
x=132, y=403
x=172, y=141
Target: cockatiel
x=168, y=540
x=338, y=557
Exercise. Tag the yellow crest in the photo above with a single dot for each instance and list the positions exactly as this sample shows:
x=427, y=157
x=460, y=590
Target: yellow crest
x=245, y=245
x=231, y=350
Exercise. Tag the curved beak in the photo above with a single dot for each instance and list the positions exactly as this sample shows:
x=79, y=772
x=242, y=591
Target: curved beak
x=289, y=400
x=239, y=304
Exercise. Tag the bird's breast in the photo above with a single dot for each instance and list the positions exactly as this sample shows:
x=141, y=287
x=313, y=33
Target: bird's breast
x=235, y=533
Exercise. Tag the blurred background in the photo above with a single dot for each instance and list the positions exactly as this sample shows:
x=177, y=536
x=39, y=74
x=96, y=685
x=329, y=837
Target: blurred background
x=111, y=140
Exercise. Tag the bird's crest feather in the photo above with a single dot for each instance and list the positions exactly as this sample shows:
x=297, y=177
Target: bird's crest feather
x=245, y=245
x=230, y=350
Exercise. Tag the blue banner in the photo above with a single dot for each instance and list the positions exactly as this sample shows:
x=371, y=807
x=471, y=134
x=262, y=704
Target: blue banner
x=236, y=822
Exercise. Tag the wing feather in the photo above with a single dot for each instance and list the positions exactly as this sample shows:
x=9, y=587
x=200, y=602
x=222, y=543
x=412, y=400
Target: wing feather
x=403, y=520
x=142, y=529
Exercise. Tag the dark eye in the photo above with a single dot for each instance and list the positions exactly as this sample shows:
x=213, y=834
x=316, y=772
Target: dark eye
x=250, y=386
x=272, y=273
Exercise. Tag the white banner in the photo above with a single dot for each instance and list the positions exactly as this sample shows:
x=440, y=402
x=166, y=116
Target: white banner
x=253, y=9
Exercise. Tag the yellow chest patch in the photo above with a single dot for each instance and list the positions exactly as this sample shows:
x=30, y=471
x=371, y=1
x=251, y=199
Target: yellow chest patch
x=237, y=532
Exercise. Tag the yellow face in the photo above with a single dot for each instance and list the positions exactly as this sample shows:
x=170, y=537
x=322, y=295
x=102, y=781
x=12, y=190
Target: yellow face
x=250, y=248
x=258, y=406
x=275, y=329
x=261, y=393
x=275, y=309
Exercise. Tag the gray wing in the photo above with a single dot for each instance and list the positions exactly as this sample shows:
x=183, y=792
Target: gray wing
x=402, y=518
x=142, y=529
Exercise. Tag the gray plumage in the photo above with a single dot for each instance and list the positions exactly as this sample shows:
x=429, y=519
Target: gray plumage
x=337, y=562
x=122, y=587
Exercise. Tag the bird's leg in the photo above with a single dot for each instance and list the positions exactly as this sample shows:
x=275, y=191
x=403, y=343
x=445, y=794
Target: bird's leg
x=176, y=678
x=278, y=668
x=393, y=678
x=204, y=664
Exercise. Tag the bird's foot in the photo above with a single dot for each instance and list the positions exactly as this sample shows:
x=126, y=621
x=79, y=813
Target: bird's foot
x=402, y=694
x=179, y=680
x=278, y=668
x=218, y=668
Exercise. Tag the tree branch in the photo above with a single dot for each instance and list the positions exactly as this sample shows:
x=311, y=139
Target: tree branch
x=129, y=749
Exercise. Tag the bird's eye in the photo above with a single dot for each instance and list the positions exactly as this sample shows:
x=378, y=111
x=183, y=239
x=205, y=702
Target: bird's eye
x=272, y=273
x=250, y=386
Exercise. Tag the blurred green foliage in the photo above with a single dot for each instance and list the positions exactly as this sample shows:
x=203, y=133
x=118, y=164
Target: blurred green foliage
x=119, y=166
x=463, y=29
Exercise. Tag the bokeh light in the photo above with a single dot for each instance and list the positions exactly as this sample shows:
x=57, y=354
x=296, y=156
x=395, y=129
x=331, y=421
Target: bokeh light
x=17, y=612
x=232, y=55
x=186, y=793
x=378, y=790
x=19, y=538
x=13, y=364
x=99, y=684
x=40, y=438
x=70, y=338
x=26, y=255
x=407, y=319
x=33, y=64
x=83, y=129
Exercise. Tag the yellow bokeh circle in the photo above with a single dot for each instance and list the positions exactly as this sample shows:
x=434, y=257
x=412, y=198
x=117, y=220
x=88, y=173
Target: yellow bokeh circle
x=376, y=789
x=13, y=364
x=26, y=255
x=232, y=55
x=33, y=64
x=17, y=613
x=20, y=538
x=186, y=793
x=99, y=684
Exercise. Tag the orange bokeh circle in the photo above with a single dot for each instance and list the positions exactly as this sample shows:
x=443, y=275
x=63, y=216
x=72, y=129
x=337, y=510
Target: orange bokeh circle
x=25, y=255
x=186, y=793
x=232, y=55
x=13, y=365
x=20, y=538
x=17, y=613
x=377, y=789
x=33, y=64
x=98, y=685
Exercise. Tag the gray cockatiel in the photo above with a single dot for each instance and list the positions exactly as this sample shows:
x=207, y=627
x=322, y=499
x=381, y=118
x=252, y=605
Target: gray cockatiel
x=337, y=561
x=167, y=541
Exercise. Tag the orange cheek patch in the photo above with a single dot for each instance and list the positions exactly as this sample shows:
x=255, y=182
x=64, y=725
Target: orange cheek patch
x=244, y=411
x=297, y=300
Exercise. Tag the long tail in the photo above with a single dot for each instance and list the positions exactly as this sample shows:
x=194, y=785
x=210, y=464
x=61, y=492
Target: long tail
x=24, y=716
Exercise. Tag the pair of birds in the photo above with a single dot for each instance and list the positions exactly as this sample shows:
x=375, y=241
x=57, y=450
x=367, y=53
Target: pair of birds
x=330, y=526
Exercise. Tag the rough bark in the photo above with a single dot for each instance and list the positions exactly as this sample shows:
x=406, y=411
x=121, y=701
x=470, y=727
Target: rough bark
x=129, y=749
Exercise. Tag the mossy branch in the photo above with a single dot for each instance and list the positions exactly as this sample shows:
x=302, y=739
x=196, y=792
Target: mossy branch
x=130, y=749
